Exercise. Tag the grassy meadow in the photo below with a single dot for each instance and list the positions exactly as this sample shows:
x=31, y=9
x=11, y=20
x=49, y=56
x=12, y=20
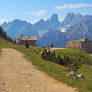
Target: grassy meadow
x=55, y=70
x=82, y=55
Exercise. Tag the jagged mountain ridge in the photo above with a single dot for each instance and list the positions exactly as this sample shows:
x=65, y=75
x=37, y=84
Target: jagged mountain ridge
x=18, y=27
x=70, y=28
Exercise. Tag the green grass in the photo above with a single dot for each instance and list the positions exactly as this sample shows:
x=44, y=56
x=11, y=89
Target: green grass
x=35, y=49
x=55, y=70
x=82, y=55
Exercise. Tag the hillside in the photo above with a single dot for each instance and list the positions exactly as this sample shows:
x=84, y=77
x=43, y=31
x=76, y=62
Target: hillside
x=52, y=69
x=20, y=75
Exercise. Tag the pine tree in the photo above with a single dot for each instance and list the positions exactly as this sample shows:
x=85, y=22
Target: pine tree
x=66, y=60
x=52, y=45
x=59, y=60
x=27, y=44
x=53, y=57
x=4, y=35
x=43, y=54
x=49, y=54
x=76, y=65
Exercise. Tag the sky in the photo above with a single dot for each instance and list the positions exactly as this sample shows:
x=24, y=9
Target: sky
x=34, y=10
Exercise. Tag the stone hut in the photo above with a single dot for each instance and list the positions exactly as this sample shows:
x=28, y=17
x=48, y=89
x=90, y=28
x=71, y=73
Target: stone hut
x=83, y=44
x=30, y=39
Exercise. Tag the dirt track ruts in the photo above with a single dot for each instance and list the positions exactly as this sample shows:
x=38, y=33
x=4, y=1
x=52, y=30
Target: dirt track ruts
x=19, y=75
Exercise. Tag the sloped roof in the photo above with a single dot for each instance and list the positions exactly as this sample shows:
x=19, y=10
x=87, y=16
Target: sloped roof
x=83, y=39
x=80, y=40
x=27, y=37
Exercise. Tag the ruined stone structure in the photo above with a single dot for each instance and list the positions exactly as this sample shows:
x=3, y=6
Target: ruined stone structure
x=83, y=44
x=30, y=39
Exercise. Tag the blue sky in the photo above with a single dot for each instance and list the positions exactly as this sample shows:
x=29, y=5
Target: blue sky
x=34, y=10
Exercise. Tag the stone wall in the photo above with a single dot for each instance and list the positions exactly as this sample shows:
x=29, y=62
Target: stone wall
x=80, y=44
x=76, y=44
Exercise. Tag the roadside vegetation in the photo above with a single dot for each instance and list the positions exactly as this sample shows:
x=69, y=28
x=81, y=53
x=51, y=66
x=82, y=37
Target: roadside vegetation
x=84, y=57
x=4, y=35
x=55, y=70
x=73, y=63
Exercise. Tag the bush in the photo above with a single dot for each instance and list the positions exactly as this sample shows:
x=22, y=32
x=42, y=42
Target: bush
x=27, y=44
x=4, y=35
x=52, y=45
x=59, y=60
x=71, y=62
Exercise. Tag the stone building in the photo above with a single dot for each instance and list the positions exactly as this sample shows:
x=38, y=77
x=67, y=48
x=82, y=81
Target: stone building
x=30, y=39
x=83, y=44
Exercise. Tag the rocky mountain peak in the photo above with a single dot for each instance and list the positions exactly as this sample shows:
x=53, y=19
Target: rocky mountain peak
x=54, y=17
x=68, y=18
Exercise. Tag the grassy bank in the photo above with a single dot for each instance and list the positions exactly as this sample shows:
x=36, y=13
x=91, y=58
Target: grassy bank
x=82, y=55
x=55, y=70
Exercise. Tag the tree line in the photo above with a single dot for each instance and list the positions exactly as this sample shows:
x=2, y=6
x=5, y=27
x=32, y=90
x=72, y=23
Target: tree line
x=4, y=35
x=73, y=63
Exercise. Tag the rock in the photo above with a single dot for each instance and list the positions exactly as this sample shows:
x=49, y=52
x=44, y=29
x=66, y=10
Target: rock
x=72, y=73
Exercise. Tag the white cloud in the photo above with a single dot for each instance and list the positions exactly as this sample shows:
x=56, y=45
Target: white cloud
x=38, y=13
x=45, y=19
x=60, y=18
x=37, y=20
x=34, y=21
x=2, y=21
x=73, y=6
x=63, y=29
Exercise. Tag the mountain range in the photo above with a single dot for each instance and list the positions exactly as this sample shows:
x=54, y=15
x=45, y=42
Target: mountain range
x=52, y=30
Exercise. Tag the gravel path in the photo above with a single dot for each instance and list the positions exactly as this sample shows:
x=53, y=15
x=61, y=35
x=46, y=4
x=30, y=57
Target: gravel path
x=19, y=75
x=57, y=48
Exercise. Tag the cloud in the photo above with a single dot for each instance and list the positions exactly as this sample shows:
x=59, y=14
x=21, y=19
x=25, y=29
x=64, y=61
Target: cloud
x=72, y=6
x=2, y=21
x=36, y=20
x=38, y=13
x=60, y=18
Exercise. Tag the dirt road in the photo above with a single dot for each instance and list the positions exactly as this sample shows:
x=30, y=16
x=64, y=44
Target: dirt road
x=19, y=75
x=57, y=49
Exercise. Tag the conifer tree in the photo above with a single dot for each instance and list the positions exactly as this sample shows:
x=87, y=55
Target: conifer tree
x=43, y=55
x=4, y=35
x=53, y=57
x=52, y=45
x=59, y=60
x=27, y=44
x=66, y=60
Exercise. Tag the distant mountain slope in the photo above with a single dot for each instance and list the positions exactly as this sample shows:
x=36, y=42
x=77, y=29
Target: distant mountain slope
x=71, y=28
x=18, y=27
x=82, y=28
x=68, y=19
x=72, y=19
x=53, y=36
x=12, y=28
